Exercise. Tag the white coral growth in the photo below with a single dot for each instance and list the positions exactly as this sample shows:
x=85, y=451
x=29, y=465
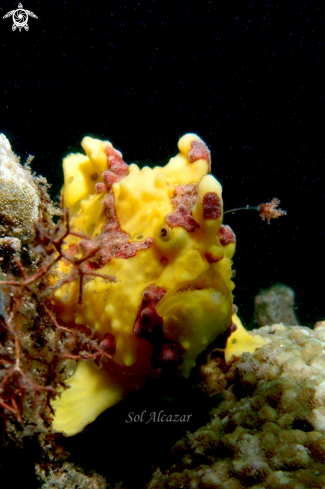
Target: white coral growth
x=19, y=196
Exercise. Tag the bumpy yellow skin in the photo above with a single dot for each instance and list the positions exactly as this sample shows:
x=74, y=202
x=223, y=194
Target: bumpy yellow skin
x=197, y=305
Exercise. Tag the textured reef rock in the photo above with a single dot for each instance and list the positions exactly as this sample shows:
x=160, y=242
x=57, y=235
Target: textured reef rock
x=69, y=477
x=275, y=305
x=23, y=202
x=20, y=198
x=29, y=357
x=267, y=430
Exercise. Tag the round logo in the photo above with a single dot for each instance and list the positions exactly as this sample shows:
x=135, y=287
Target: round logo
x=20, y=19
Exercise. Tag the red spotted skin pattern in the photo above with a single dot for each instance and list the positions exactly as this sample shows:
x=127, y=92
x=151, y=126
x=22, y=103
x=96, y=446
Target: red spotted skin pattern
x=108, y=344
x=100, y=187
x=115, y=162
x=116, y=170
x=109, y=178
x=166, y=358
x=212, y=258
x=199, y=151
x=148, y=318
x=183, y=201
x=166, y=355
x=226, y=235
x=113, y=241
x=212, y=206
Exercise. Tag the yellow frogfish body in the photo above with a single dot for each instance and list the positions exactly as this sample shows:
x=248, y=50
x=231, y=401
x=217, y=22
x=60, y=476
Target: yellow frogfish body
x=158, y=233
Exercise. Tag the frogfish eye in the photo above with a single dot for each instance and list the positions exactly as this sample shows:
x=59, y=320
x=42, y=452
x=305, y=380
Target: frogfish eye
x=165, y=233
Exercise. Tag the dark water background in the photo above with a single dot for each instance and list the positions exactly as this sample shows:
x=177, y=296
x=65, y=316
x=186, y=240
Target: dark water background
x=249, y=80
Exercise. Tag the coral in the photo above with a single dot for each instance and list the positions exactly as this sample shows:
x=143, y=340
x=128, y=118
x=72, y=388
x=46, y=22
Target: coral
x=69, y=476
x=20, y=197
x=147, y=266
x=275, y=305
x=27, y=380
x=23, y=201
x=267, y=429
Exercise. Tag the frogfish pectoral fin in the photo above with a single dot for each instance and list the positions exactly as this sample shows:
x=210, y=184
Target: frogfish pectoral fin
x=91, y=392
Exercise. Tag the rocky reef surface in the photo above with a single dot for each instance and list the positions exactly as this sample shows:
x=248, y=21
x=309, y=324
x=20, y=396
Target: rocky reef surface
x=267, y=429
x=24, y=200
x=275, y=305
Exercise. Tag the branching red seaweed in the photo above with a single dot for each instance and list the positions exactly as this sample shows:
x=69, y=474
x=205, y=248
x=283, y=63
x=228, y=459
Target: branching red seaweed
x=37, y=353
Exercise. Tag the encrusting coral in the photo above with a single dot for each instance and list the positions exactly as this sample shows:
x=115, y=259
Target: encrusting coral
x=68, y=476
x=155, y=279
x=23, y=201
x=275, y=305
x=267, y=429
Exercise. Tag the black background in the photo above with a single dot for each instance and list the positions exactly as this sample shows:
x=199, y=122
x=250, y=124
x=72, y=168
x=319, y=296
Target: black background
x=249, y=80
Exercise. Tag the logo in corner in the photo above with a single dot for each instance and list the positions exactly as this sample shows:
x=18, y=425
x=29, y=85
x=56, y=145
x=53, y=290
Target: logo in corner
x=20, y=18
